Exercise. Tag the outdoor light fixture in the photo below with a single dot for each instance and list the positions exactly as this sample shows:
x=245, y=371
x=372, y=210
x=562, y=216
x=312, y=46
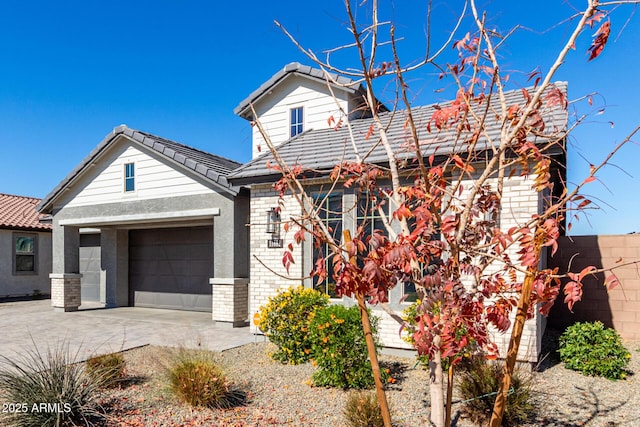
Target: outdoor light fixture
x=273, y=228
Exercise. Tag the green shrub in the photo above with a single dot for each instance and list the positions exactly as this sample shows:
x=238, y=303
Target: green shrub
x=594, y=350
x=51, y=388
x=285, y=321
x=196, y=379
x=478, y=382
x=108, y=368
x=362, y=410
x=409, y=315
x=339, y=348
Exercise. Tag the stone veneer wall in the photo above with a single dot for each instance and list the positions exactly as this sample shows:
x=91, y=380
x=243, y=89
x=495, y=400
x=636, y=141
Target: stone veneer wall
x=519, y=201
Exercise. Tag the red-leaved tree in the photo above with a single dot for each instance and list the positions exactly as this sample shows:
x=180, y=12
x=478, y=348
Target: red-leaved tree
x=440, y=193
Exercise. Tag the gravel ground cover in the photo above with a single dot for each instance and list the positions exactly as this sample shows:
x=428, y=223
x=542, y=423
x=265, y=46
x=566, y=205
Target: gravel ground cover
x=281, y=395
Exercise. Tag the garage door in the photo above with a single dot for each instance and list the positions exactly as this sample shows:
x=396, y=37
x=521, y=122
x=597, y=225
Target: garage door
x=171, y=268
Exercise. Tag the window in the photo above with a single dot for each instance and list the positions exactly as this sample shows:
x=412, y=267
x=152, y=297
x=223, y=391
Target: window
x=296, y=122
x=129, y=177
x=331, y=215
x=24, y=250
x=368, y=216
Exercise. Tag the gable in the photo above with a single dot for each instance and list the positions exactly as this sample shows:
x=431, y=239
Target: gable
x=103, y=181
x=205, y=168
x=313, y=96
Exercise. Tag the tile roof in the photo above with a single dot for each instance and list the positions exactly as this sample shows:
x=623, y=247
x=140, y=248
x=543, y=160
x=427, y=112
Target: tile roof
x=321, y=150
x=210, y=166
x=289, y=69
x=19, y=212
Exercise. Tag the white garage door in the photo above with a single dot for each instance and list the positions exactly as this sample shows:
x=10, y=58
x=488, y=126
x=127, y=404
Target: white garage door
x=171, y=268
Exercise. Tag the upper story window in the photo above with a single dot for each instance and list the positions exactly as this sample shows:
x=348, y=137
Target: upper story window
x=129, y=177
x=24, y=253
x=296, y=125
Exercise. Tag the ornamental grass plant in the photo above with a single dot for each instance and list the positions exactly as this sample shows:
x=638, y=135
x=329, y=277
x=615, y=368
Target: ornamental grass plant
x=362, y=410
x=197, y=379
x=477, y=385
x=109, y=368
x=49, y=389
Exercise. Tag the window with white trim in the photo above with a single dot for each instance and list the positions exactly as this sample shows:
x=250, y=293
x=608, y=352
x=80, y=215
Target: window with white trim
x=129, y=177
x=296, y=122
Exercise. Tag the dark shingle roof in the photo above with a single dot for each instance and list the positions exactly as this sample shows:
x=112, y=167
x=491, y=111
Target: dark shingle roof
x=19, y=212
x=213, y=168
x=291, y=68
x=321, y=150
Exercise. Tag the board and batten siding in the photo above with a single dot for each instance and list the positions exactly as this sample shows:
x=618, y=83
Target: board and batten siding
x=314, y=97
x=153, y=179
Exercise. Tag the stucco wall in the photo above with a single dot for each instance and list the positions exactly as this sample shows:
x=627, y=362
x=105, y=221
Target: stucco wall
x=618, y=308
x=24, y=284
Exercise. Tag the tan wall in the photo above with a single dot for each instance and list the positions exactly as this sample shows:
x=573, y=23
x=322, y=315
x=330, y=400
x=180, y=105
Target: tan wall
x=618, y=308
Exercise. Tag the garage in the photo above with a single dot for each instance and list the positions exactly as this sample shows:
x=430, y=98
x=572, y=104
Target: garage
x=171, y=267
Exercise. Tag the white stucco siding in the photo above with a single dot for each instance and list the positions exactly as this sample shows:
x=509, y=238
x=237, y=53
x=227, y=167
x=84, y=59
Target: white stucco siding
x=314, y=97
x=154, y=178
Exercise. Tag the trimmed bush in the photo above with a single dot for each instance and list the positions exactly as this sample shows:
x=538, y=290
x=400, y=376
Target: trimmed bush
x=362, y=410
x=196, y=379
x=285, y=321
x=478, y=382
x=108, y=368
x=339, y=348
x=51, y=389
x=409, y=315
x=594, y=350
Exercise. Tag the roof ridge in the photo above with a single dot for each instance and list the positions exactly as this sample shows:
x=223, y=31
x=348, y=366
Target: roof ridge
x=160, y=139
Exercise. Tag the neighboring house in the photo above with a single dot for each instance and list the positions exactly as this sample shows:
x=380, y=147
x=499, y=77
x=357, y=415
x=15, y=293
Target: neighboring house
x=144, y=221
x=311, y=141
x=25, y=248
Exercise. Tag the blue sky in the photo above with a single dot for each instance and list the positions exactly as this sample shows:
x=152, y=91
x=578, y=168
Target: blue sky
x=72, y=71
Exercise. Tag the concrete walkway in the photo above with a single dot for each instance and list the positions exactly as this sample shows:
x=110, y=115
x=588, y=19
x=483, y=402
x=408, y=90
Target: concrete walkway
x=91, y=331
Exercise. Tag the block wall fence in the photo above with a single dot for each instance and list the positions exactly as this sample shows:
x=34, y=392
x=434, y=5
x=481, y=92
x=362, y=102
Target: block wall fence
x=618, y=308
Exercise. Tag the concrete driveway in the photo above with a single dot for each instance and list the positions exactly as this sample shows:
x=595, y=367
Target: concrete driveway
x=95, y=331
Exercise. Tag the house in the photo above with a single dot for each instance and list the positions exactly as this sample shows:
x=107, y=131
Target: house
x=295, y=106
x=25, y=248
x=144, y=221
x=148, y=222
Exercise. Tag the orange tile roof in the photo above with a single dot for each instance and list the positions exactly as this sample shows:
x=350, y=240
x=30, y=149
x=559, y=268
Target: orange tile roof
x=19, y=212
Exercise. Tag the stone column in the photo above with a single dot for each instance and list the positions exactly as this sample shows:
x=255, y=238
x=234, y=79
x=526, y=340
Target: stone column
x=65, y=278
x=230, y=301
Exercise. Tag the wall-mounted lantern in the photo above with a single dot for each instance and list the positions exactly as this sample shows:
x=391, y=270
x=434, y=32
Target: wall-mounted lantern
x=273, y=228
